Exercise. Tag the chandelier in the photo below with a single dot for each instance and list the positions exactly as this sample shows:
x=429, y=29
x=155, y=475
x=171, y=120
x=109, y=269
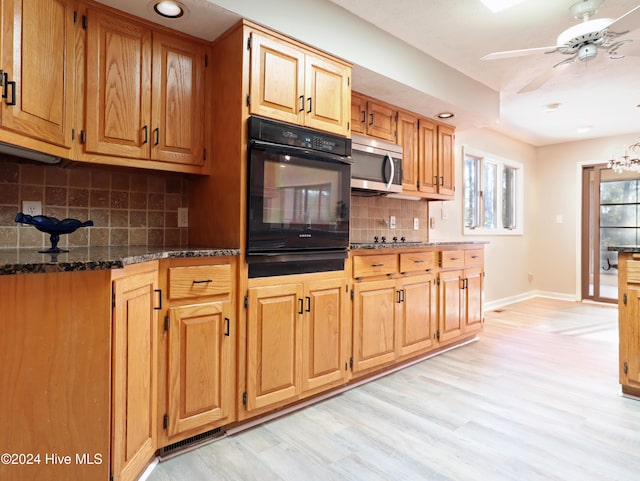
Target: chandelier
x=629, y=162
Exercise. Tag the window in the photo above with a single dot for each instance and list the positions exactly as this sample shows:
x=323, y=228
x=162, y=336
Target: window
x=492, y=194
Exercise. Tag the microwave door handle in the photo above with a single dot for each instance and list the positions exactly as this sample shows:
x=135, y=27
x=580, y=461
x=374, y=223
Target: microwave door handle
x=387, y=158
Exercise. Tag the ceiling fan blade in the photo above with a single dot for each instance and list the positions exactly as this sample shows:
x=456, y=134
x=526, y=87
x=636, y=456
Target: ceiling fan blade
x=517, y=53
x=540, y=80
x=628, y=21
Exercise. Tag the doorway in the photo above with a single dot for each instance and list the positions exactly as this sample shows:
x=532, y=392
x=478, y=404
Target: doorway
x=610, y=216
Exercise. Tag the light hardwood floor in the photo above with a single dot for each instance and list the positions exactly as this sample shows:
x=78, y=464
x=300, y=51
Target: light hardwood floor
x=536, y=398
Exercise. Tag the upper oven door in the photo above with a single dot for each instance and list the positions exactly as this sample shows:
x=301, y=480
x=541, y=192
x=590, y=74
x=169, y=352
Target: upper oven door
x=298, y=200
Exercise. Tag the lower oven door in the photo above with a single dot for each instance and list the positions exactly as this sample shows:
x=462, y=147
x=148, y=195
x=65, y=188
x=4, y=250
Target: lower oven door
x=285, y=263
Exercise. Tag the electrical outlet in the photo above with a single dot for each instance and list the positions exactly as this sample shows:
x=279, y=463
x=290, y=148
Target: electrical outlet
x=32, y=207
x=392, y=222
x=183, y=217
x=416, y=223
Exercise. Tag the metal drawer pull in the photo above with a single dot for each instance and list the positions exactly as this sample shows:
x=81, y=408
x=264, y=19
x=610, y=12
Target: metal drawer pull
x=377, y=265
x=205, y=281
x=454, y=258
x=227, y=333
x=419, y=261
x=159, y=292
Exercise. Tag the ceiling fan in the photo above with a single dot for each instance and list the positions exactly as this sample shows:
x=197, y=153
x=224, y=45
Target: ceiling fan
x=582, y=41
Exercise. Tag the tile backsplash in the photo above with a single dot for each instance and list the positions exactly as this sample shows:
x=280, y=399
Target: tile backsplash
x=370, y=217
x=127, y=207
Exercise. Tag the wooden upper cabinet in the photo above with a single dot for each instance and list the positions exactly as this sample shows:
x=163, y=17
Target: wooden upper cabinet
x=39, y=71
x=277, y=79
x=144, y=92
x=118, y=93
x=408, y=138
x=178, y=98
x=373, y=118
x=428, y=157
x=358, y=113
x=446, y=162
x=295, y=85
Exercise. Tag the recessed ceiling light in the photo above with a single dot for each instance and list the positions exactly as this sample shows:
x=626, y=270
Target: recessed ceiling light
x=444, y=115
x=552, y=107
x=584, y=129
x=169, y=9
x=498, y=5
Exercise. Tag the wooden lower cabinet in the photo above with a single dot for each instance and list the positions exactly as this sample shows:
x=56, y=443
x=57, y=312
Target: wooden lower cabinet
x=196, y=337
x=134, y=354
x=629, y=321
x=296, y=339
x=374, y=320
x=56, y=375
x=460, y=303
x=416, y=331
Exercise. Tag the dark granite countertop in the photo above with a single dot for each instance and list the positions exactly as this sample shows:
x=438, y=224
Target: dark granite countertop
x=633, y=249
x=408, y=245
x=29, y=260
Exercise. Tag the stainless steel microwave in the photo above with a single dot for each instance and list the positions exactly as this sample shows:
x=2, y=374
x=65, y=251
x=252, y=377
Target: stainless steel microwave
x=377, y=165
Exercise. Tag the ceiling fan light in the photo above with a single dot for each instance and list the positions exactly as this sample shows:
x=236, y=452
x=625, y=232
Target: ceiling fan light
x=587, y=52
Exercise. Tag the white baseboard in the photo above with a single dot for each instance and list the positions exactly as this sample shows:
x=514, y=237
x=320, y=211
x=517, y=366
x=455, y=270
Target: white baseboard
x=489, y=306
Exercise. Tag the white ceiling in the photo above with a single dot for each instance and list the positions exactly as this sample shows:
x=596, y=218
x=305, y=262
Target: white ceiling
x=602, y=94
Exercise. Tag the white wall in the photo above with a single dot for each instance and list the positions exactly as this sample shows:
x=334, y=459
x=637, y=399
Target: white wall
x=556, y=250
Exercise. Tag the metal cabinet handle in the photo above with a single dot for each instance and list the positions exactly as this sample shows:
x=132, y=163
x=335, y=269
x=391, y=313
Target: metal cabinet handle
x=308, y=309
x=301, y=311
x=145, y=130
x=310, y=105
x=226, y=333
x=204, y=281
x=370, y=119
x=377, y=265
x=159, y=292
x=156, y=134
x=13, y=93
x=301, y=103
x=364, y=116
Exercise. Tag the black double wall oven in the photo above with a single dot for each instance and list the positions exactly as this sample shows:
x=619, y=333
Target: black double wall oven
x=298, y=199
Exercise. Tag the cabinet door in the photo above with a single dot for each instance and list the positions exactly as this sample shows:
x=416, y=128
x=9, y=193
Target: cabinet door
x=358, y=114
x=327, y=93
x=200, y=367
x=134, y=371
x=630, y=338
x=277, y=79
x=428, y=157
x=273, y=344
x=408, y=138
x=381, y=121
x=416, y=325
x=38, y=59
x=446, y=165
x=118, y=94
x=178, y=100
x=473, y=300
x=374, y=314
x=450, y=321
x=324, y=340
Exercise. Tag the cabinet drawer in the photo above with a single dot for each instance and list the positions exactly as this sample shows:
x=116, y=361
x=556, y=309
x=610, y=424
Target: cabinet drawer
x=417, y=261
x=451, y=259
x=473, y=257
x=633, y=272
x=376, y=265
x=198, y=281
